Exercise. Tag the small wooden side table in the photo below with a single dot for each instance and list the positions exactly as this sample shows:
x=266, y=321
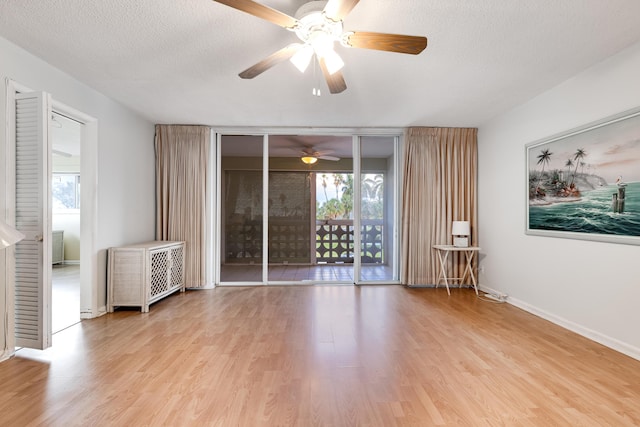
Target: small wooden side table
x=443, y=254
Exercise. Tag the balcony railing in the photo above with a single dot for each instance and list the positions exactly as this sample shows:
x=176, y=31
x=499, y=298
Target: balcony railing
x=334, y=241
x=289, y=242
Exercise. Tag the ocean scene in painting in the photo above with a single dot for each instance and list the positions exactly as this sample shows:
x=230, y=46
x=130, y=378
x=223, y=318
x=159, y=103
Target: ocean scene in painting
x=588, y=182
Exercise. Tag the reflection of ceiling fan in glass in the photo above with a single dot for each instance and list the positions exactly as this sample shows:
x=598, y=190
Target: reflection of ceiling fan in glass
x=318, y=25
x=310, y=156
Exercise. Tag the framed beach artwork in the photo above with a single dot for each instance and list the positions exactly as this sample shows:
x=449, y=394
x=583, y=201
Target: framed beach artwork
x=585, y=183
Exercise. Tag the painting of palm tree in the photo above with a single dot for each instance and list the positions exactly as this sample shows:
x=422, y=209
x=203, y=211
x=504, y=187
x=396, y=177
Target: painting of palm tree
x=569, y=165
x=577, y=157
x=543, y=158
x=586, y=183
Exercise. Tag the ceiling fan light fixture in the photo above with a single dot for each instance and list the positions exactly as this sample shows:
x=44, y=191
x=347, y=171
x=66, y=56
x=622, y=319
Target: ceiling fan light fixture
x=319, y=24
x=333, y=61
x=309, y=160
x=302, y=58
x=312, y=20
x=344, y=39
x=321, y=42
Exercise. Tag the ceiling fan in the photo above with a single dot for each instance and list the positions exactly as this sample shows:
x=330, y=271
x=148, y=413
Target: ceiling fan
x=310, y=156
x=318, y=25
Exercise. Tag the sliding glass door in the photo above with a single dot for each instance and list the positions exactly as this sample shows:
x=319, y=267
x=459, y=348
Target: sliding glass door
x=378, y=212
x=241, y=208
x=310, y=209
x=289, y=225
x=297, y=209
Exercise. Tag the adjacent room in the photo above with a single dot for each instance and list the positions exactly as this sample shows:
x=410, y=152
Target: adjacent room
x=319, y=213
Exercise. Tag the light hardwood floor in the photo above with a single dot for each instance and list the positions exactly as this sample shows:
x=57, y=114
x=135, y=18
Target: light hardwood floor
x=65, y=296
x=320, y=356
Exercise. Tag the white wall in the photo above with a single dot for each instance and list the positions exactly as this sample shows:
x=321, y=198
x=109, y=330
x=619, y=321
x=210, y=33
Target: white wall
x=69, y=222
x=592, y=288
x=125, y=196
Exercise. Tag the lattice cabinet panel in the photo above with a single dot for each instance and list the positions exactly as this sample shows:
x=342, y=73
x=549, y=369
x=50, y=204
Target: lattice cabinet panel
x=159, y=268
x=141, y=274
x=176, y=255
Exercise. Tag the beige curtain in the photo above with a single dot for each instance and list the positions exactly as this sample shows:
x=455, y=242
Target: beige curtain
x=439, y=187
x=182, y=154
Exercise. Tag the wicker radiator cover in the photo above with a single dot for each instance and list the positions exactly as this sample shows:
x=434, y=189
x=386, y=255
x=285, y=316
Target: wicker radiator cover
x=141, y=274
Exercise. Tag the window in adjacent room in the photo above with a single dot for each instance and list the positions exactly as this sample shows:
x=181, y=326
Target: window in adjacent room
x=65, y=191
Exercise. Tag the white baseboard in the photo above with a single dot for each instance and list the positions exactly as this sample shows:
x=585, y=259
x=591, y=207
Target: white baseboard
x=206, y=287
x=91, y=315
x=598, y=337
x=71, y=262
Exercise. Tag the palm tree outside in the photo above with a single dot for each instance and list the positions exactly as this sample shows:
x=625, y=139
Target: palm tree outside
x=373, y=186
x=324, y=186
x=338, y=180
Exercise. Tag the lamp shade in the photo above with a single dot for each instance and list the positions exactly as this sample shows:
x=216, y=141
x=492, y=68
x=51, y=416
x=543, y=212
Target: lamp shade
x=460, y=228
x=333, y=61
x=9, y=235
x=302, y=58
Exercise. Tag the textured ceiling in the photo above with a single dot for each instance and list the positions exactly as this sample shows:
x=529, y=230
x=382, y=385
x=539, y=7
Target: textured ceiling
x=178, y=61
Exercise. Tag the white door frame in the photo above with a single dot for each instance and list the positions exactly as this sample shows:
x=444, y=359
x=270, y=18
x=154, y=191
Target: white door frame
x=88, y=210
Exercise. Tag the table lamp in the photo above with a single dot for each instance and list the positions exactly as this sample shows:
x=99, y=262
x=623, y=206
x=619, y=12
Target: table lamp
x=9, y=235
x=460, y=230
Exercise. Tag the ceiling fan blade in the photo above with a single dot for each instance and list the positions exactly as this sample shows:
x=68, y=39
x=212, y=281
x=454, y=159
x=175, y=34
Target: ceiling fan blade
x=331, y=158
x=338, y=9
x=324, y=152
x=335, y=81
x=261, y=11
x=388, y=42
x=271, y=60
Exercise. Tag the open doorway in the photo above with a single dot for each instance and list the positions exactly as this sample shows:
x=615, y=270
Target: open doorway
x=65, y=219
x=28, y=198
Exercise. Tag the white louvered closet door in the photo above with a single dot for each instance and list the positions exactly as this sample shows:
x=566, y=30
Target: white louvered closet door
x=33, y=219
